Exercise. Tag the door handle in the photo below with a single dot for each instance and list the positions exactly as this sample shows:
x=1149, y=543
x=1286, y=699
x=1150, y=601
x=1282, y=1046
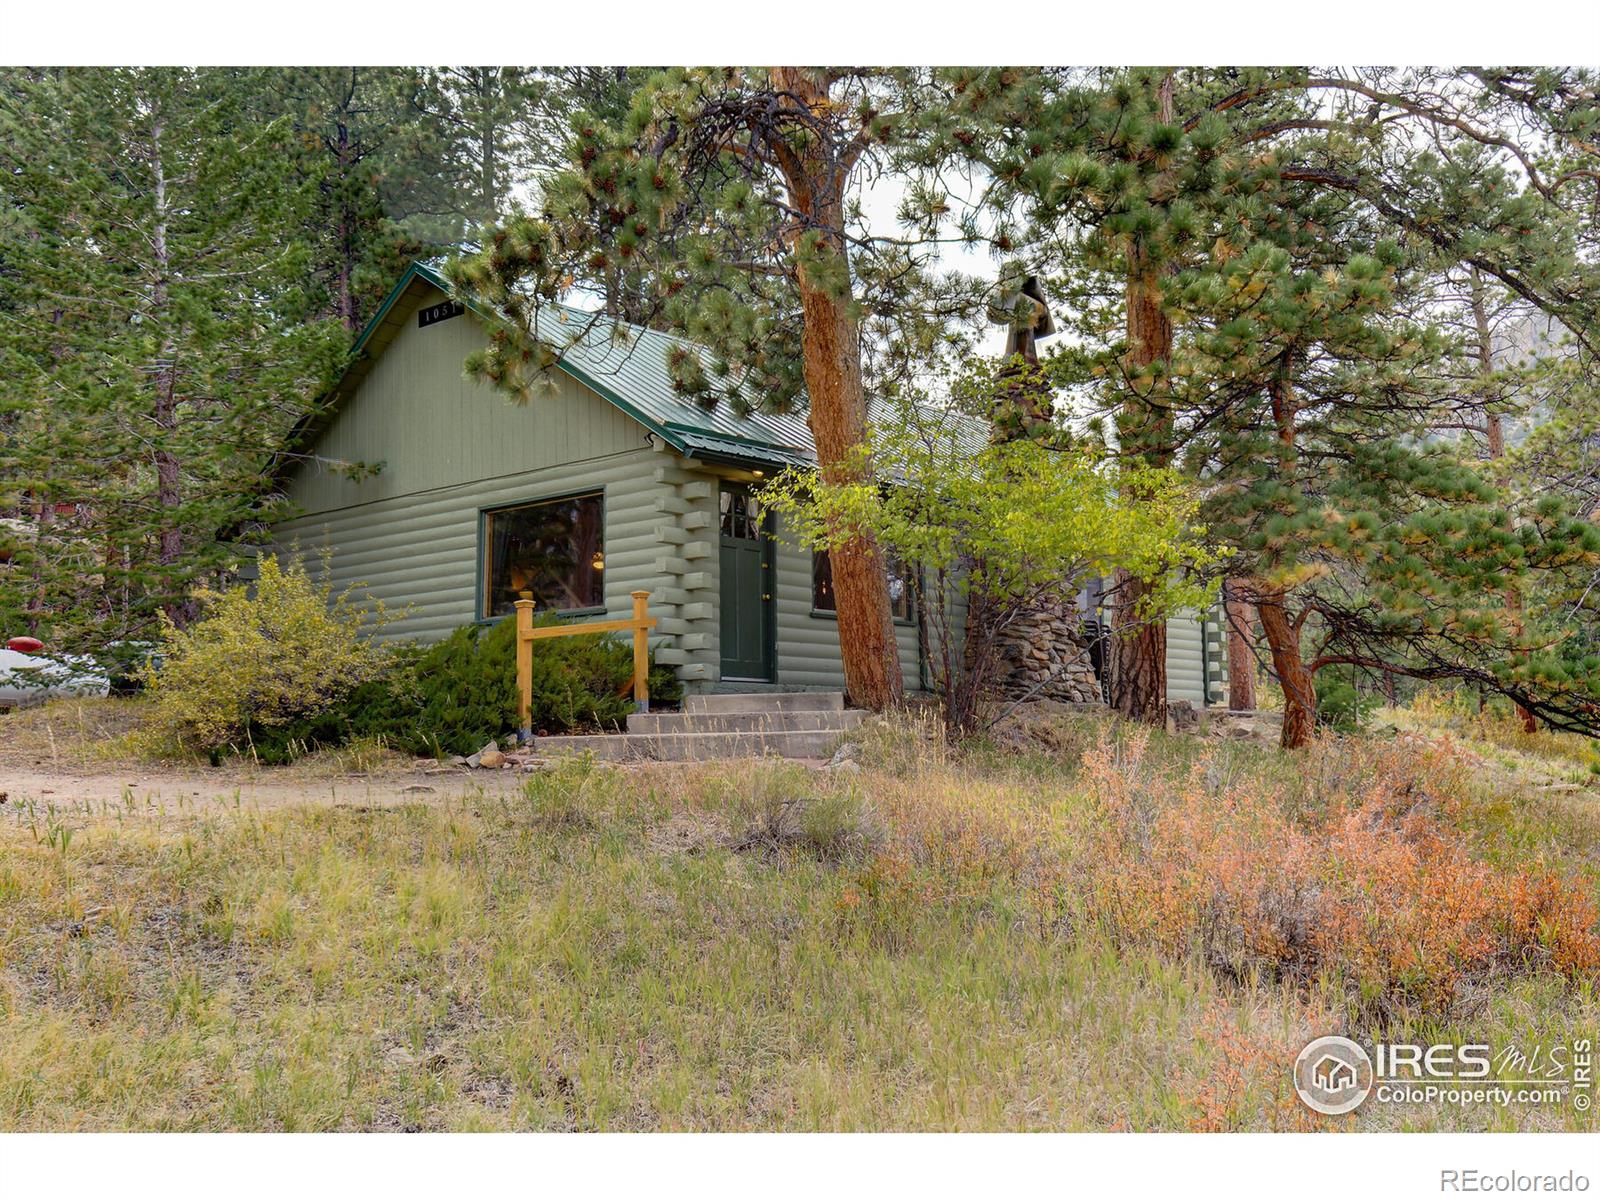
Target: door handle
x=766, y=596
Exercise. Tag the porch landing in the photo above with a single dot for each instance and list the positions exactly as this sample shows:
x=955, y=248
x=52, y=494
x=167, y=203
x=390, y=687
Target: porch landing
x=723, y=725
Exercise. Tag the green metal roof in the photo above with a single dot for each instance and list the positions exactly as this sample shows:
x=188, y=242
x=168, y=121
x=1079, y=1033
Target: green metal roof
x=626, y=364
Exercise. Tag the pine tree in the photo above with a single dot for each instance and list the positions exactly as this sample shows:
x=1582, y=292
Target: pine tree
x=153, y=342
x=372, y=158
x=605, y=95
x=1355, y=527
x=729, y=196
x=487, y=125
x=1111, y=180
x=1509, y=376
x=1132, y=178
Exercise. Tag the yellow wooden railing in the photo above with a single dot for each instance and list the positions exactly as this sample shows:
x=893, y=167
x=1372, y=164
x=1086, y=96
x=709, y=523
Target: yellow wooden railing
x=641, y=623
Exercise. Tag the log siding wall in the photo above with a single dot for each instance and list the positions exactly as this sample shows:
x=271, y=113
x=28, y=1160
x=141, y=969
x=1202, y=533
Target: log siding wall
x=409, y=535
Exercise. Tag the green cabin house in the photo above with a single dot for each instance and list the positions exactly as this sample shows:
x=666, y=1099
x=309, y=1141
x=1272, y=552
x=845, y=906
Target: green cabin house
x=613, y=483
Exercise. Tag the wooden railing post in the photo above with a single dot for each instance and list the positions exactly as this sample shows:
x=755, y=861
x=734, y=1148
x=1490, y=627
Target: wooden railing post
x=524, y=664
x=641, y=623
x=641, y=650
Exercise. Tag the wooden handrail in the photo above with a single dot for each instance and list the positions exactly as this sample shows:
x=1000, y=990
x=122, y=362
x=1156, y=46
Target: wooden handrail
x=641, y=623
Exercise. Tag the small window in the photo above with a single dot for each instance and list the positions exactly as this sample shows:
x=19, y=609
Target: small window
x=742, y=516
x=822, y=582
x=822, y=598
x=555, y=551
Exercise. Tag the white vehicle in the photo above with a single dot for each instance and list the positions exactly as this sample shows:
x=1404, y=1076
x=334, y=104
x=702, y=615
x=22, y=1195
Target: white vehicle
x=29, y=676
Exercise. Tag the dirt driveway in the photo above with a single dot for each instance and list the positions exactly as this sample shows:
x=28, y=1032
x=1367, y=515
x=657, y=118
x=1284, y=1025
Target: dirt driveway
x=147, y=791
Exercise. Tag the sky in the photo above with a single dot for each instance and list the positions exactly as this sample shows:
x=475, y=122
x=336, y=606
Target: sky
x=881, y=201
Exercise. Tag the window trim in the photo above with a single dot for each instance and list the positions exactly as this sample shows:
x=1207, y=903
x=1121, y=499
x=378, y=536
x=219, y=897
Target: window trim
x=481, y=566
x=832, y=614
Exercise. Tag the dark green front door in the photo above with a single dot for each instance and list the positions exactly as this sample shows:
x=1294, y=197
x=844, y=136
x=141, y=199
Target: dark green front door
x=747, y=643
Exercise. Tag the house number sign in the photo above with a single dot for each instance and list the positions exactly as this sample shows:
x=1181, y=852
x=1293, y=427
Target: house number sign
x=435, y=313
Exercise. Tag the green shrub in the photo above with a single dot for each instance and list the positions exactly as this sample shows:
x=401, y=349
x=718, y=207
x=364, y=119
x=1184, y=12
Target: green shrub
x=452, y=697
x=587, y=682
x=456, y=695
x=1340, y=705
x=387, y=709
x=263, y=657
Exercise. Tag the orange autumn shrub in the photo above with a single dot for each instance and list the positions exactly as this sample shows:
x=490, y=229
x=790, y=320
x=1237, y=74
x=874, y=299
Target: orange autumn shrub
x=1240, y=1082
x=1411, y=913
x=1546, y=920
x=1213, y=872
x=1347, y=872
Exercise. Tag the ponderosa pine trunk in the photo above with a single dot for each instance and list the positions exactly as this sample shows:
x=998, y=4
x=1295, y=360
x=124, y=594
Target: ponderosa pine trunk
x=1139, y=677
x=831, y=348
x=1282, y=633
x=1299, y=687
x=1139, y=648
x=1241, y=661
x=345, y=284
x=488, y=161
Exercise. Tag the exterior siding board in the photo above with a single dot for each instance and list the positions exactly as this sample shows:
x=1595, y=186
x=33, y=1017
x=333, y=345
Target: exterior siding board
x=408, y=536
x=433, y=429
x=808, y=646
x=421, y=560
x=1185, y=670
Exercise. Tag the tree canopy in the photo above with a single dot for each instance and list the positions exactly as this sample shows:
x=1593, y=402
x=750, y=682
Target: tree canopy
x=1353, y=310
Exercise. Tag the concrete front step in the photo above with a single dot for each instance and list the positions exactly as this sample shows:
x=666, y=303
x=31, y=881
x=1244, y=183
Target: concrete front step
x=693, y=747
x=764, y=702
x=798, y=721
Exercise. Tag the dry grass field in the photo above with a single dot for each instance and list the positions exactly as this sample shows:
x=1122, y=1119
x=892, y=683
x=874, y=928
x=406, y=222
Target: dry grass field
x=1114, y=932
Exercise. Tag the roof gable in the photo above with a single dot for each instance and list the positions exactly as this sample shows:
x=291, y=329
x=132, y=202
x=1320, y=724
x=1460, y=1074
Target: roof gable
x=628, y=371
x=624, y=364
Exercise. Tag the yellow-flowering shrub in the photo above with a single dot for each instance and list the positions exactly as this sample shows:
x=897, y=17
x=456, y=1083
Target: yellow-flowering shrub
x=263, y=655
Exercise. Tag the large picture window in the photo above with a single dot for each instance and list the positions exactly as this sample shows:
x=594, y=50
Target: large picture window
x=554, y=550
x=822, y=599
